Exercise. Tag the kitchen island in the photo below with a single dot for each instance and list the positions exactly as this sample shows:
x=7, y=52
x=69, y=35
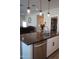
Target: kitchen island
x=38, y=43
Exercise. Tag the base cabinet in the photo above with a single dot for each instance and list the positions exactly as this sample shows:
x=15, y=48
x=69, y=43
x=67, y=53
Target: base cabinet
x=34, y=51
x=52, y=45
x=26, y=51
x=40, y=50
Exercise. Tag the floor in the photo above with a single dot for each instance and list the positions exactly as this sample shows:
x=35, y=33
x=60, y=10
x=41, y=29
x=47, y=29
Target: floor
x=55, y=55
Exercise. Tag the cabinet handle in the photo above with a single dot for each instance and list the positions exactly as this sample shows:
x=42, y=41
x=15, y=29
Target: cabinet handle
x=40, y=44
x=53, y=43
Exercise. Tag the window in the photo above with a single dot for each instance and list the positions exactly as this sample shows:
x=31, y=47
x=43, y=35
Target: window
x=24, y=24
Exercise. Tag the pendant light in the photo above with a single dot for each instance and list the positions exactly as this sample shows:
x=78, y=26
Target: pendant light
x=40, y=11
x=48, y=14
x=28, y=8
x=48, y=8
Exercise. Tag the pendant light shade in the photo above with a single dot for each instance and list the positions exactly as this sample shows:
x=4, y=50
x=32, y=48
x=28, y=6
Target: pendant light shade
x=48, y=14
x=28, y=8
x=40, y=13
x=49, y=0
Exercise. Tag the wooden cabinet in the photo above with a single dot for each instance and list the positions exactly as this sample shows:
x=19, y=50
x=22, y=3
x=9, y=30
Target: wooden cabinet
x=54, y=25
x=52, y=45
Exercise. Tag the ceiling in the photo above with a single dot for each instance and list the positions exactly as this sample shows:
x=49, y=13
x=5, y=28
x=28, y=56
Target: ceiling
x=35, y=5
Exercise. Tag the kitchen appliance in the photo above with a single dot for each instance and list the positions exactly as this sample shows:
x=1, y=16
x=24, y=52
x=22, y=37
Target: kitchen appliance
x=40, y=50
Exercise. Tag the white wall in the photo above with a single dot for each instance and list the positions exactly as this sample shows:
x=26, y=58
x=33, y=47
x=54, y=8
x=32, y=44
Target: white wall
x=54, y=12
x=22, y=17
x=33, y=18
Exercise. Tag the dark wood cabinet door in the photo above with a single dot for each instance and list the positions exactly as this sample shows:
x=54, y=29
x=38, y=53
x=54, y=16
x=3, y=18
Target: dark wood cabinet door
x=54, y=25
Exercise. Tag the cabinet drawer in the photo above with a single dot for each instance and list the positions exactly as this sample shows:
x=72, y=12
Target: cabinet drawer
x=56, y=37
x=50, y=40
x=52, y=45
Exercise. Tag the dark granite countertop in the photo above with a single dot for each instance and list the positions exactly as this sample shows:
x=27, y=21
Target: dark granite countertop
x=32, y=38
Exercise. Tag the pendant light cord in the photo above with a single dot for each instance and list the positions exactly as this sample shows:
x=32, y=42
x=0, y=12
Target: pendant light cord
x=28, y=3
x=40, y=5
x=48, y=5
